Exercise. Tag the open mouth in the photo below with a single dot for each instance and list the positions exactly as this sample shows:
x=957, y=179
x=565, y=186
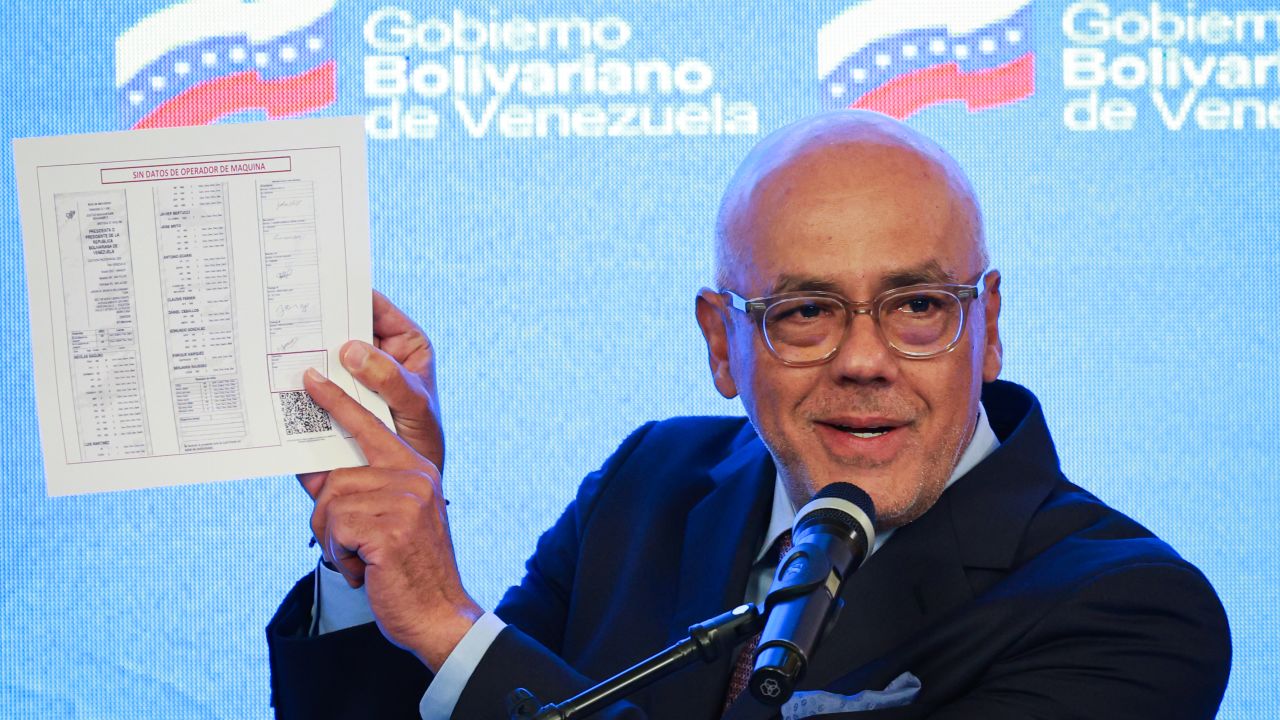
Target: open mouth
x=865, y=433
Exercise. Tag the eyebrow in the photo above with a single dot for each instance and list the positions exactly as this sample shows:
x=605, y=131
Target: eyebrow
x=930, y=272
x=924, y=274
x=795, y=283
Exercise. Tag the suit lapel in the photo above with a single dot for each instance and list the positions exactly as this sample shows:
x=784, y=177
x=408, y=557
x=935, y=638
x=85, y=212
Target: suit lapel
x=720, y=542
x=721, y=538
x=913, y=579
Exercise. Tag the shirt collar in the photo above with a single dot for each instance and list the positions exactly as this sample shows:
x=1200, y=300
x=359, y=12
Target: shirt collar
x=783, y=513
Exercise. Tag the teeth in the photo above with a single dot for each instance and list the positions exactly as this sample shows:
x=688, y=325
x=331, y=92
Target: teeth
x=864, y=433
x=872, y=434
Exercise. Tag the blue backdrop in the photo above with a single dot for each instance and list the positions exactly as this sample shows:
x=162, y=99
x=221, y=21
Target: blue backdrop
x=1124, y=152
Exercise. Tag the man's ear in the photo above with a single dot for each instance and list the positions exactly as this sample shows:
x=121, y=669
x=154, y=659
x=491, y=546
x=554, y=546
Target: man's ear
x=993, y=353
x=713, y=318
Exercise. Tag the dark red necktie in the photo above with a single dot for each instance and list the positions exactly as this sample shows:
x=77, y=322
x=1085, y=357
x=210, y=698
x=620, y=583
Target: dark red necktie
x=746, y=659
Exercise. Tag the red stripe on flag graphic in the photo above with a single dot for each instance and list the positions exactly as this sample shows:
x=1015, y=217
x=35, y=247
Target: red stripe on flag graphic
x=907, y=94
x=207, y=101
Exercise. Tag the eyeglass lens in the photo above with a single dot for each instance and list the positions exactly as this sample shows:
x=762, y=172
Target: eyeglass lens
x=807, y=329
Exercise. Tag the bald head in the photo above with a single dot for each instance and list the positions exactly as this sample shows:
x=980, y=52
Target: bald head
x=845, y=156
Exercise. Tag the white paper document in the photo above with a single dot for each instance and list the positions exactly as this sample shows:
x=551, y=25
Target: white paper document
x=180, y=281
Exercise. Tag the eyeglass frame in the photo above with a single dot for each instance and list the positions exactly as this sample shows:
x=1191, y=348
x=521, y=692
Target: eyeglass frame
x=756, y=308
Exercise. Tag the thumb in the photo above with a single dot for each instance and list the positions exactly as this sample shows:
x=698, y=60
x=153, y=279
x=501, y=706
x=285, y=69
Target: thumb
x=410, y=397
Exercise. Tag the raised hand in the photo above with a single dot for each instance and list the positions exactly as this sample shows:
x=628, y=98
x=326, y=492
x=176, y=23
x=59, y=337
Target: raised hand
x=385, y=525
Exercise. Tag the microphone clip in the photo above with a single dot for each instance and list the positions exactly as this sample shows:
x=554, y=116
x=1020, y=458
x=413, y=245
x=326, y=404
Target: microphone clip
x=803, y=569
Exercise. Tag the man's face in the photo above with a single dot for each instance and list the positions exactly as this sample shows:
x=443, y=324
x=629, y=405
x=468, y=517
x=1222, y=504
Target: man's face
x=857, y=220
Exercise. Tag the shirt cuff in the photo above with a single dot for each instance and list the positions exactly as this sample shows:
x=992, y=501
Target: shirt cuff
x=338, y=605
x=445, y=689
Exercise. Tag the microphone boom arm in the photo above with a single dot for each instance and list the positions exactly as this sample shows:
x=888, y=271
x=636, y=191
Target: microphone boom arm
x=707, y=641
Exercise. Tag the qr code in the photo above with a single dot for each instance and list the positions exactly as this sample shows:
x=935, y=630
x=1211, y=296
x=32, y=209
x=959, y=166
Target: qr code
x=302, y=415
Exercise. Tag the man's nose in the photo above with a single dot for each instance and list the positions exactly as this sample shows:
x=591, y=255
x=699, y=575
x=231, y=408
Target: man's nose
x=864, y=357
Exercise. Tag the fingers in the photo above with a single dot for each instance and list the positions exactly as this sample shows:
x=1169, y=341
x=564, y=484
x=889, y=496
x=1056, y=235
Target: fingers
x=348, y=562
x=401, y=337
x=389, y=320
x=359, y=506
x=379, y=445
x=345, y=482
x=399, y=367
x=411, y=401
x=354, y=520
x=312, y=482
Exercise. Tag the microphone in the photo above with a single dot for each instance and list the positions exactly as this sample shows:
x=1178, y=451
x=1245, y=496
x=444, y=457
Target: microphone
x=832, y=535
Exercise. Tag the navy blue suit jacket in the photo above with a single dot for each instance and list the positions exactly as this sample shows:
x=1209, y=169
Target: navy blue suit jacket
x=1018, y=595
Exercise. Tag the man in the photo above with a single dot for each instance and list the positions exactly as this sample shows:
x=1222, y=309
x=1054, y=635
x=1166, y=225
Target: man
x=857, y=318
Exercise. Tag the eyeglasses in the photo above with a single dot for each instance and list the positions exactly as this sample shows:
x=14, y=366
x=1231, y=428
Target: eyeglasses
x=807, y=328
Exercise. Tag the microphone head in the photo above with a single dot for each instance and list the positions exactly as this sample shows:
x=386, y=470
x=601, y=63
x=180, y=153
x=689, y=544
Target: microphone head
x=842, y=504
x=849, y=493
